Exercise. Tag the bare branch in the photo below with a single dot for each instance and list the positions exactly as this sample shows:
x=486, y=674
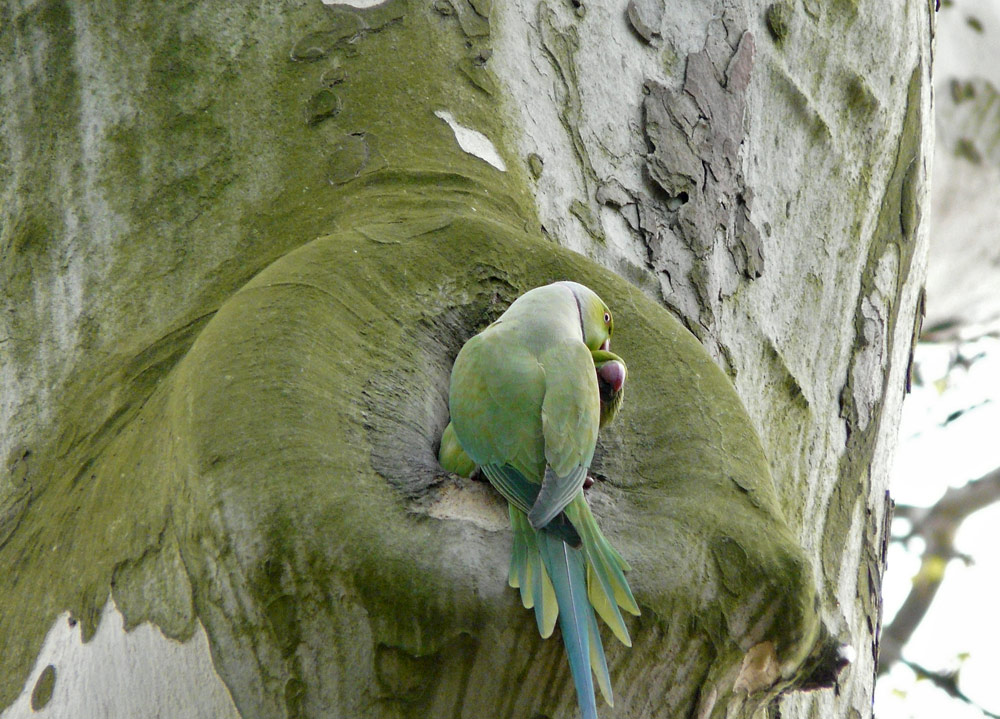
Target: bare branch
x=948, y=683
x=937, y=525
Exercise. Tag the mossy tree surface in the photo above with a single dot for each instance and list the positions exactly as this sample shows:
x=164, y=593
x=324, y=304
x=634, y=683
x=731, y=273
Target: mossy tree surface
x=240, y=251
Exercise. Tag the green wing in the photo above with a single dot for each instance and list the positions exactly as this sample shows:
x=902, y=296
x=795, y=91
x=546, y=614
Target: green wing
x=570, y=418
x=512, y=485
x=496, y=397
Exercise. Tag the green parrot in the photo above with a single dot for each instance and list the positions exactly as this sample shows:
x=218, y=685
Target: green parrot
x=527, y=397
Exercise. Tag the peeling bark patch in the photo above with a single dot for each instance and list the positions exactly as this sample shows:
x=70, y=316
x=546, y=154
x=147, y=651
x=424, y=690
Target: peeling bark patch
x=918, y=322
x=871, y=357
x=42, y=693
x=876, y=565
x=352, y=156
x=474, y=68
x=474, y=20
x=443, y=7
x=156, y=587
x=322, y=106
x=701, y=198
x=613, y=194
x=645, y=17
x=860, y=97
x=402, y=675
x=471, y=501
x=345, y=27
x=473, y=142
x=582, y=211
x=731, y=561
x=318, y=45
x=535, y=165
x=826, y=664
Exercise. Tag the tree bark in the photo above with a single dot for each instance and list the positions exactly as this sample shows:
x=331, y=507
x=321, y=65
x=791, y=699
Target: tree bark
x=241, y=246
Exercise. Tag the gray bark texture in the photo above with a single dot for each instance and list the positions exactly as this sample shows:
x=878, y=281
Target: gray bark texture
x=241, y=244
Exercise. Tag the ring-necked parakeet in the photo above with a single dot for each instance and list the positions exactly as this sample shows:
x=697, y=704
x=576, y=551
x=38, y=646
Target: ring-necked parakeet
x=526, y=406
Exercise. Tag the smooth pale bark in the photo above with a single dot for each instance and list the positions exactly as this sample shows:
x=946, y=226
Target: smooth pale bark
x=240, y=247
x=831, y=158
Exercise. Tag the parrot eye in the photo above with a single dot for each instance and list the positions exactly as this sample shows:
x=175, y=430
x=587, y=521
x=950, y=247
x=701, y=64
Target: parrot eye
x=607, y=318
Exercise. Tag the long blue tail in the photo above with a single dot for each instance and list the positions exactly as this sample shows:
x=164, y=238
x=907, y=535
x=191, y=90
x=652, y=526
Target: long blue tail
x=566, y=568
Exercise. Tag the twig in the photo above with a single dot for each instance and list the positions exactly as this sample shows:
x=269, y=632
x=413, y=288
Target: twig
x=937, y=525
x=948, y=683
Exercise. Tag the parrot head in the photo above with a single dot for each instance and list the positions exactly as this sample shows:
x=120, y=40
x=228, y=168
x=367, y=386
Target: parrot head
x=611, y=374
x=595, y=317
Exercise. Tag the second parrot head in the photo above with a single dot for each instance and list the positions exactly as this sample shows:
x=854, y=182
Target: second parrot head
x=595, y=317
x=611, y=374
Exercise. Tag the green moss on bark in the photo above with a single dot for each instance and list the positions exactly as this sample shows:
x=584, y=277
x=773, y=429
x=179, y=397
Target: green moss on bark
x=237, y=464
x=255, y=457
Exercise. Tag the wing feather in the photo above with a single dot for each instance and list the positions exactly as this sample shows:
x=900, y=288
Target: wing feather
x=570, y=419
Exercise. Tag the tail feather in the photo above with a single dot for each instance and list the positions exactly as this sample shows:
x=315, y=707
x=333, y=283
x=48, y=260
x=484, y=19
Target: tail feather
x=602, y=598
x=599, y=663
x=566, y=567
x=517, y=575
x=528, y=574
x=608, y=565
x=545, y=598
x=562, y=582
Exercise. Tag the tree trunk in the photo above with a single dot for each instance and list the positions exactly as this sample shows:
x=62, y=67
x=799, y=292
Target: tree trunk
x=241, y=247
x=966, y=198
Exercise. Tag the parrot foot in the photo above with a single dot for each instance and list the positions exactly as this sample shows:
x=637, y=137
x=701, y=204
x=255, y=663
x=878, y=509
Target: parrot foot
x=595, y=477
